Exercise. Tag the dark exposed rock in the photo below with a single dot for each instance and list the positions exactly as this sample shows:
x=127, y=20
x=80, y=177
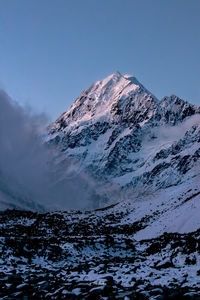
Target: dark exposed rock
x=50, y=256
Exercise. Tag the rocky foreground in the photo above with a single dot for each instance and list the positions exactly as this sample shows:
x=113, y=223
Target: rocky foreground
x=76, y=255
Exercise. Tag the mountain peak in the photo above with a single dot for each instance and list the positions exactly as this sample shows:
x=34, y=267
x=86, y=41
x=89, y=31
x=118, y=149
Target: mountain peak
x=114, y=84
x=118, y=76
x=117, y=97
x=119, y=82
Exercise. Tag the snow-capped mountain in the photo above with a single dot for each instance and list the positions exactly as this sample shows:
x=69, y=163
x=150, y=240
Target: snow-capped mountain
x=123, y=134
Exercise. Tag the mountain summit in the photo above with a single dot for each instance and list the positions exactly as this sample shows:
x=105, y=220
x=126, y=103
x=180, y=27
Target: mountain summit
x=107, y=100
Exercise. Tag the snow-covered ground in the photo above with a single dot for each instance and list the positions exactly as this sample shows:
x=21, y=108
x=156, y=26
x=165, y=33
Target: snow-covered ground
x=76, y=255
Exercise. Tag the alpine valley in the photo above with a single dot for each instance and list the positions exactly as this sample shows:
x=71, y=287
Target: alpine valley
x=137, y=236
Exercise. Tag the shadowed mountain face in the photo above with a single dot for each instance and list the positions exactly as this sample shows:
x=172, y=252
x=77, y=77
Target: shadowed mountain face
x=124, y=135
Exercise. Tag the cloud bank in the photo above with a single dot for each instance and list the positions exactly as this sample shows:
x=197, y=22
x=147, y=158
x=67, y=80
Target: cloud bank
x=32, y=175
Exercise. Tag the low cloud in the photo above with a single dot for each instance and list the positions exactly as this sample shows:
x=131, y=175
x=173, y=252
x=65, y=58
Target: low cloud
x=32, y=175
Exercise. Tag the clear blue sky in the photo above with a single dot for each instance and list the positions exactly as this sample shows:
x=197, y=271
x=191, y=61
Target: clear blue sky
x=50, y=50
